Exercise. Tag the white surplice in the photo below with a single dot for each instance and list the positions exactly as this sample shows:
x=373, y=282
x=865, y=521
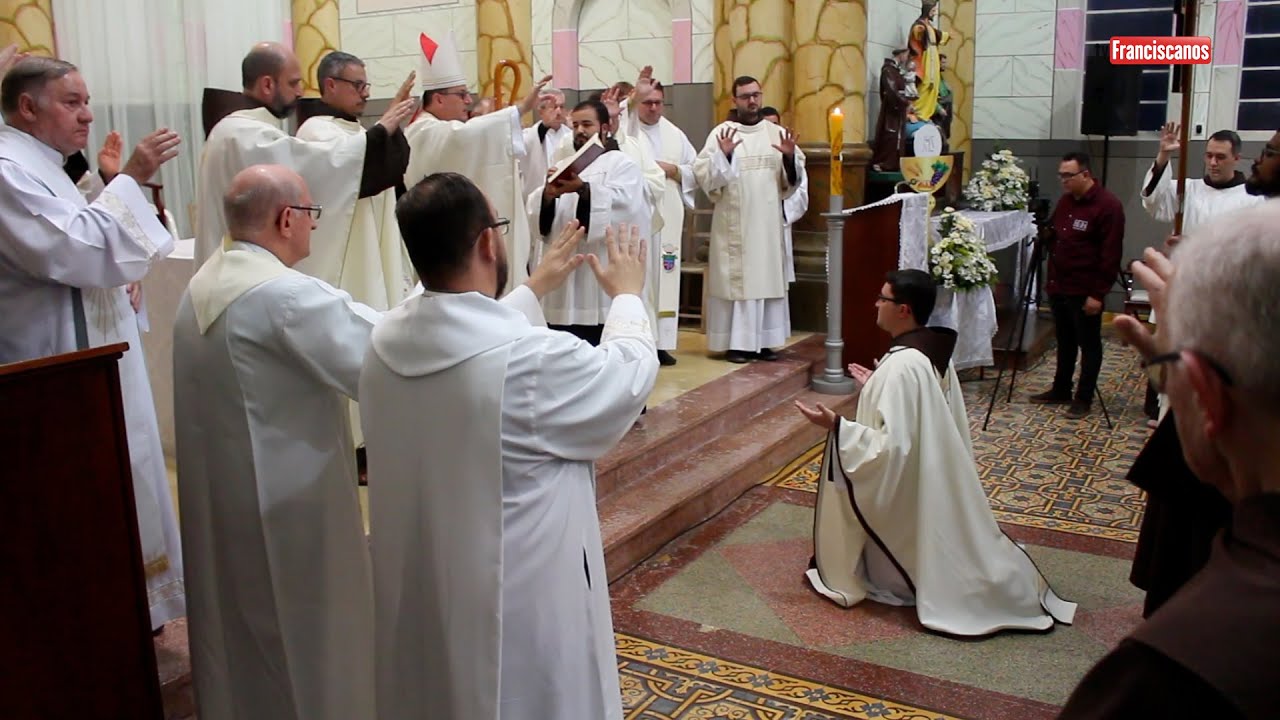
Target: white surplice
x=332, y=170
x=487, y=150
x=541, y=154
x=669, y=144
x=53, y=240
x=617, y=198
x=278, y=569
x=794, y=208
x=357, y=247
x=1202, y=203
x=489, y=576
x=902, y=518
x=747, y=285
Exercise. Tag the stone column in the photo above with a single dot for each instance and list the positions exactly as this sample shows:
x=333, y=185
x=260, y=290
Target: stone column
x=504, y=31
x=960, y=19
x=829, y=70
x=315, y=34
x=29, y=23
x=753, y=37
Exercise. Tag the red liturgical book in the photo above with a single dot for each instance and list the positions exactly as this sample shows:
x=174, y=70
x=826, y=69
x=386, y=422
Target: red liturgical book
x=580, y=161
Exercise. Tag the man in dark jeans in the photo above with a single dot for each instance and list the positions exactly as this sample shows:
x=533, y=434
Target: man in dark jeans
x=1084, y=259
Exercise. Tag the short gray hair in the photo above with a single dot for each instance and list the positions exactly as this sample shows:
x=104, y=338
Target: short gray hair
x=549, y=91
x=252, y=209
x=334, y=63
x=1224, y=299
x=30, y=76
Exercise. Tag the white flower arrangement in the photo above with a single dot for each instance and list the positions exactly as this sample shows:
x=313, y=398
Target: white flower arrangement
x=1000, y=184
x=959, y=259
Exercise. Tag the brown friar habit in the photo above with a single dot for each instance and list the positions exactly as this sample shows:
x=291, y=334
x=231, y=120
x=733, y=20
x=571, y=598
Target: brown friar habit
x=1182, y=518
x=1214, y=648
x=891, y=124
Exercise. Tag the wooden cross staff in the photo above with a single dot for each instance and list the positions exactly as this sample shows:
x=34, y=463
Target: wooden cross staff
x=1187, y=9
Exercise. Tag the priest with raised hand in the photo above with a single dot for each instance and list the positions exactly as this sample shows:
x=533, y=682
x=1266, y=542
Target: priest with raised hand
x=747, y=167
x=609, y=191
x=265, y=358
x=335, y=169
x=64, y=263
x=674, y=155
x=901, y=517
x=543, y=138
x=1221, y=190
x=489, y=578
x=487, y=149
x=358, y=248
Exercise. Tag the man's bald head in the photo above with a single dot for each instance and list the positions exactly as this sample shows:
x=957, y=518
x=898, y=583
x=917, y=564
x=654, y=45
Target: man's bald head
x=272, y=75
x=256, y=194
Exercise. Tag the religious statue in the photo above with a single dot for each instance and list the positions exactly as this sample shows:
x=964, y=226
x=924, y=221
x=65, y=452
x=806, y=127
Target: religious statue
x=895, y=104
x=946, y=103
x=923, y=41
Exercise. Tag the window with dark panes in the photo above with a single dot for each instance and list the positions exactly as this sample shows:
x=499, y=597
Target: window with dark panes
x=1260, y=68
x=1105, y=19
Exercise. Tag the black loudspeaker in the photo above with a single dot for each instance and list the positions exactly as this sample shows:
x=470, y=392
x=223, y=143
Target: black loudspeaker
x=1111, y=95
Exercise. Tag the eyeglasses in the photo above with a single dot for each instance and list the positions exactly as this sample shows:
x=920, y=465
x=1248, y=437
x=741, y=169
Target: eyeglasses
x=1067, y=176
x=750, y=96
x=312, y=210
x=1157, y=368
x=1269, y=152
x=888, y=299
x=465, y=94
x=502, y=225
x=359, y=85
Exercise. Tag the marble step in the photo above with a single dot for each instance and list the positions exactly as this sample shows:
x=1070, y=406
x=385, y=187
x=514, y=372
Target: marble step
x=721, y=407
x=650, y=512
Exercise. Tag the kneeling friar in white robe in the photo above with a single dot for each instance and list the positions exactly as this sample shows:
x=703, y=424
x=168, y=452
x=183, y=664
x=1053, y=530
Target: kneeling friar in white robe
x=483, y=429
x=901, y=517
x=339, y=168
x=63, y=266
x=265, y=358
x=610, y=191
x=487, y=149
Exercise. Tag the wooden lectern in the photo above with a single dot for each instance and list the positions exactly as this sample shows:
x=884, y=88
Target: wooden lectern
x=75, y=628
x=870, y=252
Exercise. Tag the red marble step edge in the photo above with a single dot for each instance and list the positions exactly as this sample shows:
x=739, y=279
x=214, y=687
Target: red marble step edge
x=647, y=514
x=688, y=422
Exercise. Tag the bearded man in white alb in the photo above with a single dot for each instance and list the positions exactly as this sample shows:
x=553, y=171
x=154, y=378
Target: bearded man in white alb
x=547, y=134
x=487, y=149
x=64, y=263
x=265, y=358
x=335, y=169
x=360, y=243
x=489, y=576
x=901, y=517
x=609, y=192
x=747, y=167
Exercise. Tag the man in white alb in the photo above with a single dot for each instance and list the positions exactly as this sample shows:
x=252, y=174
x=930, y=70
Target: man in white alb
x=335, y=169
x=489, y=578
x=1221, y=190
x=265, y=358
x=901, y=517
x=674, y=155
x=747, y=167
x=358, y=248
x=609, y=192
x=64, y=263
x=551, y=129
x=486, y=149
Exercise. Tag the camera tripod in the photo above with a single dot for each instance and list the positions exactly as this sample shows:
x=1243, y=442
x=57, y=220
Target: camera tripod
x=1030, y=271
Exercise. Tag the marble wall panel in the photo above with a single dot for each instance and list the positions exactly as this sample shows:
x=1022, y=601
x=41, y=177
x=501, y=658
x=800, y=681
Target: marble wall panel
x=993, y=77
x=1223, y=101
x=1032, y=75
x=372, y=37
x=386, y=74
x=1020, y=118
x=703, y=16
x=603, y=63
x=1028, y=33
x=542, y=12
x=987, y=7
x=645, y=18
x=703, y=57
x=1068, y=85
x=542, y=60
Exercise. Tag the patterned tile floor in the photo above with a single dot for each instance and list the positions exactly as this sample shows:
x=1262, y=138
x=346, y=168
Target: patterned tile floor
x=719, y=623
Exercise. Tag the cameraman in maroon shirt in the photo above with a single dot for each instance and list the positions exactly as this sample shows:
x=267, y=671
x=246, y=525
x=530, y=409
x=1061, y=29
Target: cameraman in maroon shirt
x=1084, y=261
